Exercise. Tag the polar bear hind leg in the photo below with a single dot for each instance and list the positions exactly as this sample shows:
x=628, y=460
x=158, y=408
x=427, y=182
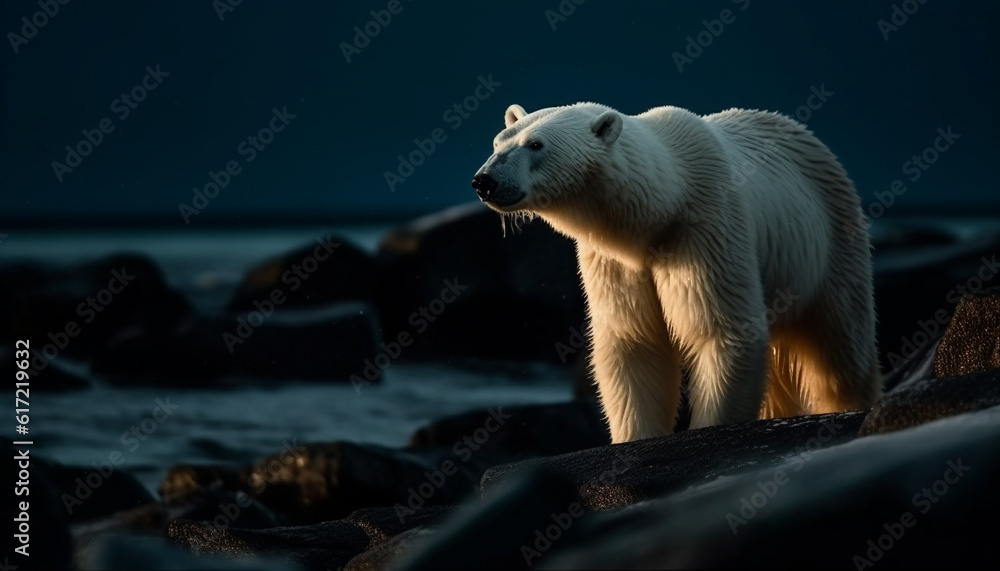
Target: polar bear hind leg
x=826, y=362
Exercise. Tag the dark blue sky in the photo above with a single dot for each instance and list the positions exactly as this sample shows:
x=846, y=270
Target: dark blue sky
x=352, y=120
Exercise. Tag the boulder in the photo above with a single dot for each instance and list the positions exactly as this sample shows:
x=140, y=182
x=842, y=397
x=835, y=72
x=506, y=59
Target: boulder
x=326, y=344
x=87, y=493
x=318, y=547
x=971, y=343
x=917, y=287
x=442, y=465
x=924, y=400
x=75, y=309
x=623, y=474
x=957, y=371
x=324, y=271
x=450, y=273
x=918, y=497
x=530, y=430
x=496, y=533
x=388, y=555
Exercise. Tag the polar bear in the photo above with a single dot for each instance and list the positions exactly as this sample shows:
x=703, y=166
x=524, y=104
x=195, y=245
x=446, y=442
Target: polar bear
x=728, y=243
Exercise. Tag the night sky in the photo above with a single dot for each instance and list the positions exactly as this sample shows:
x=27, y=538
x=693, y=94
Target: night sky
x=886, y=91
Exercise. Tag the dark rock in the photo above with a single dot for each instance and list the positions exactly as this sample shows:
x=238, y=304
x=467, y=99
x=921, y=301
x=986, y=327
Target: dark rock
x=347, y=274
x=531, y=430
x=972, y=341
x=322, y=546
x=130, y=553
x=919, y=366
x=932, y=486
x=327, y=344
x=328, y=481
x=381, y=524
x=495, y=534
x=525, y=286
x=388, y=555
x=623, y=474
x=182, y=480
x=224, y=508
x=37, y=302
x=921, y=401
x=321, y=482
x=215, y=507
x=89, y=493
x=917, y=288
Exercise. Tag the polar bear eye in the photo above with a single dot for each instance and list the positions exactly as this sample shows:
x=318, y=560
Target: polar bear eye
x=535, y=145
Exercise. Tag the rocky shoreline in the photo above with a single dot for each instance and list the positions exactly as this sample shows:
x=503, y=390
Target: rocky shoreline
x=906, y=483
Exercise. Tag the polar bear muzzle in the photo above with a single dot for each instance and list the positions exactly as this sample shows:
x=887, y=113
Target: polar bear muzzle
x=493, y=192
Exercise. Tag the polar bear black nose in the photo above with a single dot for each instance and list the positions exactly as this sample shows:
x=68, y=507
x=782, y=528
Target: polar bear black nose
x=484, y=185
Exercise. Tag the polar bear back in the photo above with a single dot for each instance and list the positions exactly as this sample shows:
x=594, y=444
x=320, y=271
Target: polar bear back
x=794, y=191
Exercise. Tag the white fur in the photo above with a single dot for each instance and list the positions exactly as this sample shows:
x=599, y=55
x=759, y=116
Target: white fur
x=727, y=243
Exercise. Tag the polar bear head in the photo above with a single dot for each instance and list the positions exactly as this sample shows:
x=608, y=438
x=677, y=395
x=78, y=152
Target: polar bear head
x=544, y=160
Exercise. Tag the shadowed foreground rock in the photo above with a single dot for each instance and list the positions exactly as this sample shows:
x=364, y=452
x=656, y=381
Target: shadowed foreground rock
x=956, y=373
x=443, y=466
x=624, y=474
x=919, y=497
x=532, y=430
x=492, y=535
x=918, y=285
x=131, y=553
x=921, y=401
x=321, y=546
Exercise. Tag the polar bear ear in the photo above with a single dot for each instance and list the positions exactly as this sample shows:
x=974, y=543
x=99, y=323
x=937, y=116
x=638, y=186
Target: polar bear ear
x=513, y=115
x=607, y=126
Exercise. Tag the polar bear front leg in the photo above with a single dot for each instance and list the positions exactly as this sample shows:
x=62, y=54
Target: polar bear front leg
x=721, y=322
x=635, y=362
